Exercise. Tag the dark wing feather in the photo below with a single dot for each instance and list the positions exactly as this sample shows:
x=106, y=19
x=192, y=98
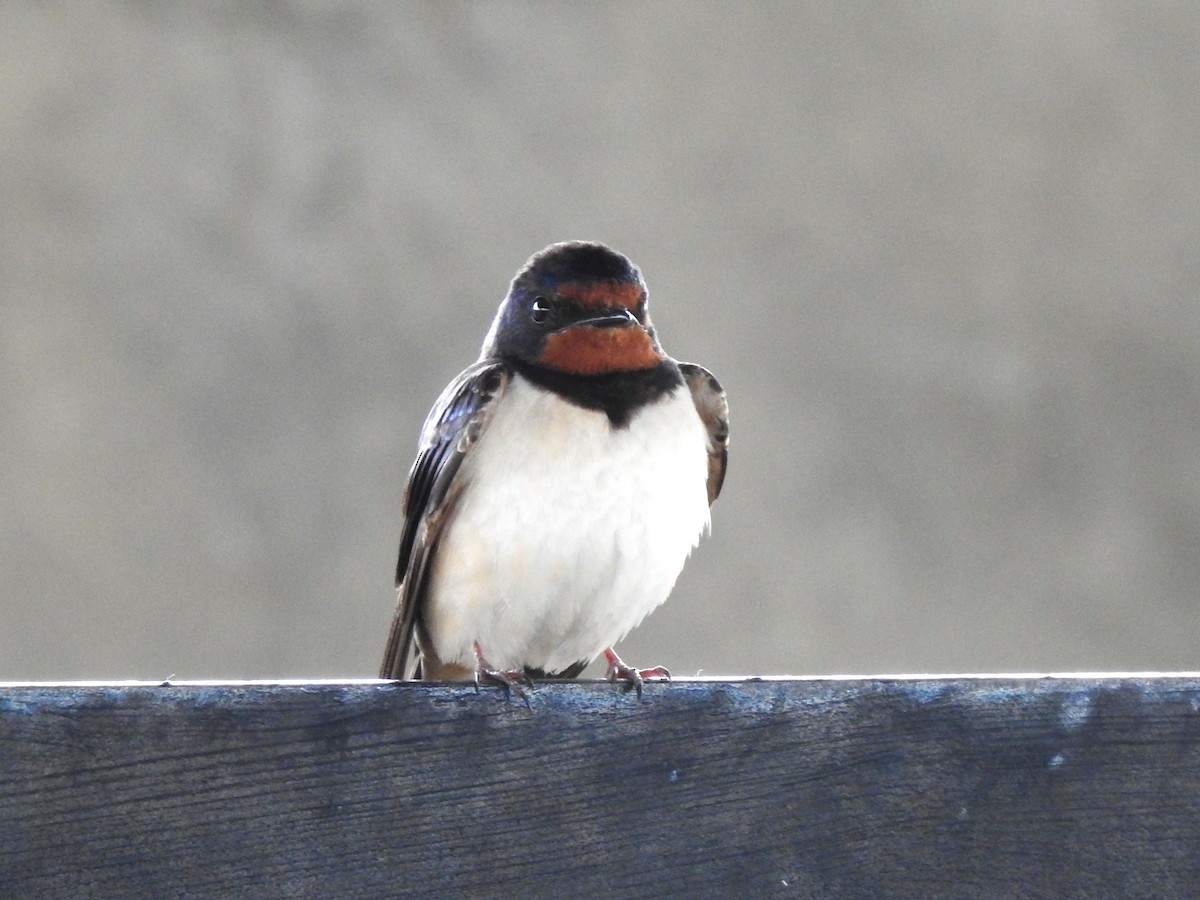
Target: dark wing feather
x=709, y=398
x=453, y=426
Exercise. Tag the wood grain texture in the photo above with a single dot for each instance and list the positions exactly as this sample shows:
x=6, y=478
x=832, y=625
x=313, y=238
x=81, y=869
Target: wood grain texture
x=880, y=788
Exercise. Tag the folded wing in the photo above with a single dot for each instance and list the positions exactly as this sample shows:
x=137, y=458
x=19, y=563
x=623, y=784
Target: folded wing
x=454, y=425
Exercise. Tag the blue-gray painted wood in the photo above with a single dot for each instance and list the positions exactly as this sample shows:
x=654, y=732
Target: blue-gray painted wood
x=881, y=788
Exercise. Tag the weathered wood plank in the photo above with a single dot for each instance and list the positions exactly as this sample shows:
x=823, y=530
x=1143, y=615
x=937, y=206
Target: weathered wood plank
x=897, y=788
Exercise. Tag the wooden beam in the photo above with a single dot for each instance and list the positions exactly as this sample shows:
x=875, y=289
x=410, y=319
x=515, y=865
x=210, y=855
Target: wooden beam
x=968, y=787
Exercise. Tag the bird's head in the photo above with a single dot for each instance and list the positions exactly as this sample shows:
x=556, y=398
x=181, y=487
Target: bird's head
x=579, y=308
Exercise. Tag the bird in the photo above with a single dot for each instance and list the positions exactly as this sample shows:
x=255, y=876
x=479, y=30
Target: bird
x=560, y=484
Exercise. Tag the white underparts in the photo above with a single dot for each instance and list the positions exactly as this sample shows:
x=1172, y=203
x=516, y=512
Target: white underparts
x=569, y=531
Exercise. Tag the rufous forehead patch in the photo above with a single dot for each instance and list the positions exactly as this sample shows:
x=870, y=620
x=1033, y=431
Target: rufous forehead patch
x=603, y=293
x=594, y=351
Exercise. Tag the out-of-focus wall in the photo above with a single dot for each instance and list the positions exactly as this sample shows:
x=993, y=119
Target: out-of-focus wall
x=943, y=257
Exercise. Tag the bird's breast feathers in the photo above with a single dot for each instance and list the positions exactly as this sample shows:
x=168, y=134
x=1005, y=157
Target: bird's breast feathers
x=568, y=531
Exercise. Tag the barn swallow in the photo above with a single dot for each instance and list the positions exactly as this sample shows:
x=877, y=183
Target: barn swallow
x=560, y=484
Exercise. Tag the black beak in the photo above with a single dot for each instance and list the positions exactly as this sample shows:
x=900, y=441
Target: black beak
x=610, y=318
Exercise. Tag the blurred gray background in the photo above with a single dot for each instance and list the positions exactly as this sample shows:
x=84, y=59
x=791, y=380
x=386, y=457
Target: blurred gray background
x=943, y=257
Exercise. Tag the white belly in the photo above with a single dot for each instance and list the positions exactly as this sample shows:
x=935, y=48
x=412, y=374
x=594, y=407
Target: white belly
x=569, y=532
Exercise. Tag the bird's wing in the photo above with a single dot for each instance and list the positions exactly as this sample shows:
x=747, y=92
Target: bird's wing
x=454, y=425
x=709, y=398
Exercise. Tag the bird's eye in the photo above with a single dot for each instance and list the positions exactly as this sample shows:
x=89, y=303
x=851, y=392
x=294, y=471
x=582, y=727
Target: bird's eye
x=540, y=311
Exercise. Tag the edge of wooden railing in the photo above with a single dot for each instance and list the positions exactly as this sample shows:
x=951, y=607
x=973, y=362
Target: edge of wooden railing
x=962, y=785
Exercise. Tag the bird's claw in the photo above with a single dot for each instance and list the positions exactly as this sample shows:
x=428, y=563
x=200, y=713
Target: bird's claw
x=513, y=681
x=631, y=678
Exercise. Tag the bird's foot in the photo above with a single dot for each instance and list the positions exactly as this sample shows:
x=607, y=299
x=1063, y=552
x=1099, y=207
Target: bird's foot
x=632, y=678
x=514, y=681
